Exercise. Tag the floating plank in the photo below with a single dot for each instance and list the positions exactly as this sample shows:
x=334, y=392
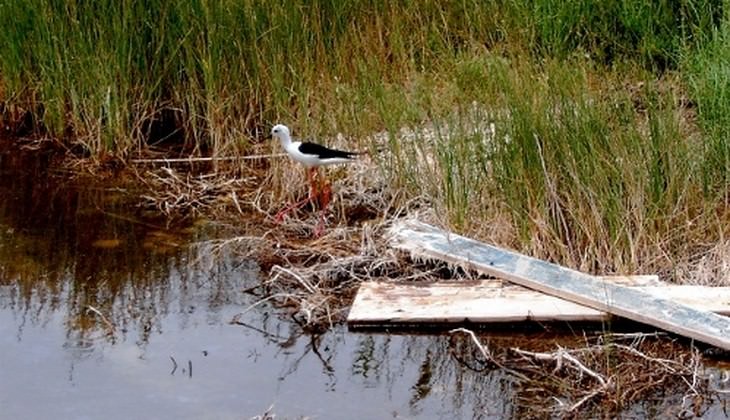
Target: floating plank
x=423, y=240
x=491, y=301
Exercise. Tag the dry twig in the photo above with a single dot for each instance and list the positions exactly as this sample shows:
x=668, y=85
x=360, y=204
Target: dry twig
x=636, y=371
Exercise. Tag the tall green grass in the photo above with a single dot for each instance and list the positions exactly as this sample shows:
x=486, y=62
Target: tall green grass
x=561, y=127
x=652, y=33
x=707, y=71
x=114, y=74
x=598, y=177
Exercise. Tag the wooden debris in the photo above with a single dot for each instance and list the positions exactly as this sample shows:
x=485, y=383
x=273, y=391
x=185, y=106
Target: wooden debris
x=426, y=241
x=493, y=301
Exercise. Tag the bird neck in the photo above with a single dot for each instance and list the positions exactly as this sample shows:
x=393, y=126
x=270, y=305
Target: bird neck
x=285, y=141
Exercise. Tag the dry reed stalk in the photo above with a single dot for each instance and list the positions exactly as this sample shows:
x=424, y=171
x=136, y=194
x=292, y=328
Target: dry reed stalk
x=173, y=192
x=191, y=159
x=708, y=267
x=603, y=374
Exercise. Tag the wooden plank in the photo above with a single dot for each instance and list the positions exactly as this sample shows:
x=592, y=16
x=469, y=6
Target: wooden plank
x=491, y=301
x=423, y=240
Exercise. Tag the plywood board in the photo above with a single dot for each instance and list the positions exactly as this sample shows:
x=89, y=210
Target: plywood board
x=426, y=241
x=492, y=301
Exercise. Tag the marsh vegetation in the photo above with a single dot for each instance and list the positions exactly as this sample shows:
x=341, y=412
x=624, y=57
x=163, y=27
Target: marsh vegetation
x=590, y=133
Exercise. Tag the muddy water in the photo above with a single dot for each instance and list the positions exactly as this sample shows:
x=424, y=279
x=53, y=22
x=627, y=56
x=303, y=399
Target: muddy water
x=74, y=256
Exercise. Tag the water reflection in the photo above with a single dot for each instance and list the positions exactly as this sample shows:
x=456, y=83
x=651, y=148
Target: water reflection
x=73, y=254
x=66, y=246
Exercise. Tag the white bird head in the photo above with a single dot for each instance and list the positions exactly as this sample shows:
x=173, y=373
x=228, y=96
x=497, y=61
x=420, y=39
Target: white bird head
x=280, y=131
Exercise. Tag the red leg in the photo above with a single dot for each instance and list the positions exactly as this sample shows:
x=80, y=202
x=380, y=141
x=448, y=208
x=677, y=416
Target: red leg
x=325, y=195
x=323, y=200
x=312, y=175
x=299, y=204
x=294, y=206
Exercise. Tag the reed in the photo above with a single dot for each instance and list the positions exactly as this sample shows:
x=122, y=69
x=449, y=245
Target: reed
x=604, y=177
x=115, y=75
x=706, y=73
x=563, y=127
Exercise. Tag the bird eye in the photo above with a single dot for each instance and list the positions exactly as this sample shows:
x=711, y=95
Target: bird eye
x=276, y=130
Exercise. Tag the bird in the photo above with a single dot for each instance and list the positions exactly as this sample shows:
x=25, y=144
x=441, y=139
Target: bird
x=312, y=156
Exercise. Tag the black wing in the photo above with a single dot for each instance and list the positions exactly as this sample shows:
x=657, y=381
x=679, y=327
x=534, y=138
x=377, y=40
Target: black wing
x=324, y=152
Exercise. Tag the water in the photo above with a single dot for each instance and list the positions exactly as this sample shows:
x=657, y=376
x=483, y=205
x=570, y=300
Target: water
x=73, y=254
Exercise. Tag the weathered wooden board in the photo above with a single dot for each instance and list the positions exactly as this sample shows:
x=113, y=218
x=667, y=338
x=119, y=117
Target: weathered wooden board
x=423, y=240
x=491, y=301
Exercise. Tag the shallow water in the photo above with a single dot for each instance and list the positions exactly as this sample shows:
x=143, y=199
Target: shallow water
x=73, y=255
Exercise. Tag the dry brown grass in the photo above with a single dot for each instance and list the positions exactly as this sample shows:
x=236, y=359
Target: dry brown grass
x=707, y=267
x=605, y=373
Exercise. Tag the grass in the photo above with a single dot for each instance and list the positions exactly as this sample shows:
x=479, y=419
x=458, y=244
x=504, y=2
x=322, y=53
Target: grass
x=587, y=132
x=708, y=78
x=571, y=162
x=107, y=74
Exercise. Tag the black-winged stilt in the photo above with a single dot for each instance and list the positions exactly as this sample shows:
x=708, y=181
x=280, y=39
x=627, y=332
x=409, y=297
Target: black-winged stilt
x=312, y=156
